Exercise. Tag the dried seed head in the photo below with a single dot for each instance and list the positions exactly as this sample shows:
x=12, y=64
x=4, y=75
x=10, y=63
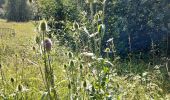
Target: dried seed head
x=12, y=80
x=43, y=26
x=65, y=66
x=30, y=1
x=19, y=87
x=47, y=44
x=33, y=48
x=69, y=86
x=71, y=63
x=81, y=66
x=84, y=84
x=70, y=55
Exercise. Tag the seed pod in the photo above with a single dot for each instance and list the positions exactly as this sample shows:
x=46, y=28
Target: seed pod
x=65, y=66
x=47, y=44
x=43, y=26
x=84, y=84
x=19, y=87
x=33, y=48
x=81, y=66
x=12, y=80
x=70, y=54
x=69, y=86
x=71, y=63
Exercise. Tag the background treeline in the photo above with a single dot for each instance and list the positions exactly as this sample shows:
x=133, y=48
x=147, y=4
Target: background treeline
x=135, y=25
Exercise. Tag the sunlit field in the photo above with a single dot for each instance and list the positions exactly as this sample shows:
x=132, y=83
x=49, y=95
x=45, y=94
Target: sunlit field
x=84, y=50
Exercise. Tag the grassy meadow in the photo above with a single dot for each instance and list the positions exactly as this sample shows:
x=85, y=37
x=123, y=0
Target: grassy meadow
x=22, y=72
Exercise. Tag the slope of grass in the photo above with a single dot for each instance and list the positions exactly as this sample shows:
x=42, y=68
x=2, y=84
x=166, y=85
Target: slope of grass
x=23, y=64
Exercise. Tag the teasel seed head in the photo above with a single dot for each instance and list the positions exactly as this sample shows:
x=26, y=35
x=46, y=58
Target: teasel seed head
x=69, y=86
x=43, y=26
x=12, y=80
x=71, y=63
x=70, y=55
x=19, y=87
x=65, y=66
x=84, y=84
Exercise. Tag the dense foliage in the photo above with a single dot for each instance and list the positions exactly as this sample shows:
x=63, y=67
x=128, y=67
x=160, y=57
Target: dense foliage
x=17, y=10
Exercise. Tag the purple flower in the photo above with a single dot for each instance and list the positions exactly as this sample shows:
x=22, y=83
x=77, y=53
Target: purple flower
x=47, y=44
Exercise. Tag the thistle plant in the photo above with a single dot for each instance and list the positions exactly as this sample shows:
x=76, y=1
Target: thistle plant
x=46, y=48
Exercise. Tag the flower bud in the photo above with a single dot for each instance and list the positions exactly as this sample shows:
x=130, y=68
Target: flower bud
x=47, y=44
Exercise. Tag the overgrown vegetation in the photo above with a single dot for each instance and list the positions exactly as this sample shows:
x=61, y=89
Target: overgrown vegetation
x=87, y=50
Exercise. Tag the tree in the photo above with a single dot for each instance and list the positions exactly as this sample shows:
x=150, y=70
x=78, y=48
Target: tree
x=1, y=3
x=17, y=10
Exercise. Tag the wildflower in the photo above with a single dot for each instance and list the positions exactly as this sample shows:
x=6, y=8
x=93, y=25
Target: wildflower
x=43, y=26
x=47, y=44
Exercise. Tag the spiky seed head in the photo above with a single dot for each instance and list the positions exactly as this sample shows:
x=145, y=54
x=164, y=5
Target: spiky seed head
x=71, y=63
x=65, y=66
x=84, y=84
x=69, y=86
x=47, y=44
x=43, y=26
x=33, y=48
x=81, y=66
x=12, y=80
x=19, y=87
x=70, y=55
